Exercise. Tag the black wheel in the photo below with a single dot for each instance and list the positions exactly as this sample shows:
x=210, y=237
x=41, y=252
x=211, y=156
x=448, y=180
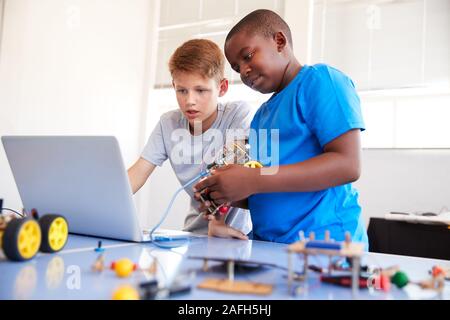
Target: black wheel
x=55, y=232
x=21, y=239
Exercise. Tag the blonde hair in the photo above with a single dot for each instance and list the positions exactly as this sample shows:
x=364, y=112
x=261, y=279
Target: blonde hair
x=199, y=56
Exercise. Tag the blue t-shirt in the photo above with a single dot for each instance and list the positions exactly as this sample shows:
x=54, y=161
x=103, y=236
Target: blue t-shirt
x=319, y=105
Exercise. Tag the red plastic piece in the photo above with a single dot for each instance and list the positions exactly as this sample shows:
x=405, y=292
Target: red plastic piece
x=436, y=271
x=224, y=209
x=385, y=283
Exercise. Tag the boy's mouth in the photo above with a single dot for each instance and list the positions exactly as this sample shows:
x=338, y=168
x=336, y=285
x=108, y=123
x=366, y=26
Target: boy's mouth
x=191, y=114
x=255, y=81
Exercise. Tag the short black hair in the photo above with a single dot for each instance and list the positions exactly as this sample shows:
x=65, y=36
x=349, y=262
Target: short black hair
x=263, y=22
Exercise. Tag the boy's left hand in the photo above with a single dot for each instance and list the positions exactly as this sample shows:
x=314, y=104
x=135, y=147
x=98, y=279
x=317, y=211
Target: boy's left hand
x=229, y=184
x=218, y=228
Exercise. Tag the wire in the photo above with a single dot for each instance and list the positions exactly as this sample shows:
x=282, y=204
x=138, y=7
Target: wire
x=16, y=212
x=169, y=243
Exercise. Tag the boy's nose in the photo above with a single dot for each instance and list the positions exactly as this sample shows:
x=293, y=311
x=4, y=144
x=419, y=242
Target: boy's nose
x=245, y=71
x=190, y=99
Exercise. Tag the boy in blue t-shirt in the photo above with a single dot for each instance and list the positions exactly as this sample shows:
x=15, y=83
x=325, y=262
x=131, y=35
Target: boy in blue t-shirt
x=308, y=133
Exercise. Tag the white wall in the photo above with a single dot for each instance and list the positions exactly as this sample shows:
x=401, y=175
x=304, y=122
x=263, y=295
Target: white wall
x=75, y=67
x=298, y=15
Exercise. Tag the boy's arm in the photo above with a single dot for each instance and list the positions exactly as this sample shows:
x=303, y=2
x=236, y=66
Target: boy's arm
x=339, y=164
x=139, y=173
x=243, y=204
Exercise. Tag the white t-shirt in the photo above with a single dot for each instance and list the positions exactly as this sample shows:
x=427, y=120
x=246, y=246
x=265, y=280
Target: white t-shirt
x=187, y=153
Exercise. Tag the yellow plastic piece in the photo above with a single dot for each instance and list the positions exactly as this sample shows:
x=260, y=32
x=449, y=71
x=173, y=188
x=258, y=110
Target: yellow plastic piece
x=253, y=164
x=29, y=239
x=126, y=292
x=123, y=267
x=1, y=239
x=58, y=233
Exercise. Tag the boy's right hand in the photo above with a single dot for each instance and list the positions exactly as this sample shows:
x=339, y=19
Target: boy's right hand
x=203, y=208
x=204, y=205
x=217, y=226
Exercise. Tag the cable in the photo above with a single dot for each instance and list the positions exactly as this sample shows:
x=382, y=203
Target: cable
x=165, y=242
x=16, y=212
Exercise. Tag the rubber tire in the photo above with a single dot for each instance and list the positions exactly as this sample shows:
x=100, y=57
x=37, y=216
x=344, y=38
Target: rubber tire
x=45, y=222
x=10, y=237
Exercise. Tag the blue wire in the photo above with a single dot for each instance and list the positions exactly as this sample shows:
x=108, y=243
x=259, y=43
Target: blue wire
x=168, y=240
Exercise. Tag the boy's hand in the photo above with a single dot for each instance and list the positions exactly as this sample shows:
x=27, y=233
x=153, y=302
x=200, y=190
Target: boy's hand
x=204, y=205
x=203, y=208
x=229, y=184
x=218, y=228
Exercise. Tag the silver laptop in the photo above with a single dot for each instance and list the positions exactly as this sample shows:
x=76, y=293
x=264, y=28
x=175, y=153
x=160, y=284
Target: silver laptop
x=82, y=178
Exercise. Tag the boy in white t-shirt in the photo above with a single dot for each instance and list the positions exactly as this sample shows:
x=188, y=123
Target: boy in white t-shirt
x=190, y=136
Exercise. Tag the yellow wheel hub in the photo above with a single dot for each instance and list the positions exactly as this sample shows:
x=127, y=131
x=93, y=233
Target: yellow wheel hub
x=29, y=239
x=57, y=235
x=253, y=164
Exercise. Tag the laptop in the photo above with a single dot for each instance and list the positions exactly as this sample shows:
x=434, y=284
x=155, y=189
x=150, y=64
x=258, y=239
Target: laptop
x=82, y=178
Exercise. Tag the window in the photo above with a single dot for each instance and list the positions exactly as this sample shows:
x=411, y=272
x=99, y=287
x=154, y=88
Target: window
x=398, y=54
x=396, y=51
x=209, y=19
x=385, y=44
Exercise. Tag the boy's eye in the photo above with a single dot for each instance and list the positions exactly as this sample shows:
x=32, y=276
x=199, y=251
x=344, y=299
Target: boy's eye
x=182, y=91
x=248, y=56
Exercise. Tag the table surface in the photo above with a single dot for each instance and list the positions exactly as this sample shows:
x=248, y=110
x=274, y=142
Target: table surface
x=68, y=274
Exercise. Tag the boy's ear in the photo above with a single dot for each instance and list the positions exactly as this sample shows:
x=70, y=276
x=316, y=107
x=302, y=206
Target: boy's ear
x=223, y=87
x=281, y=40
